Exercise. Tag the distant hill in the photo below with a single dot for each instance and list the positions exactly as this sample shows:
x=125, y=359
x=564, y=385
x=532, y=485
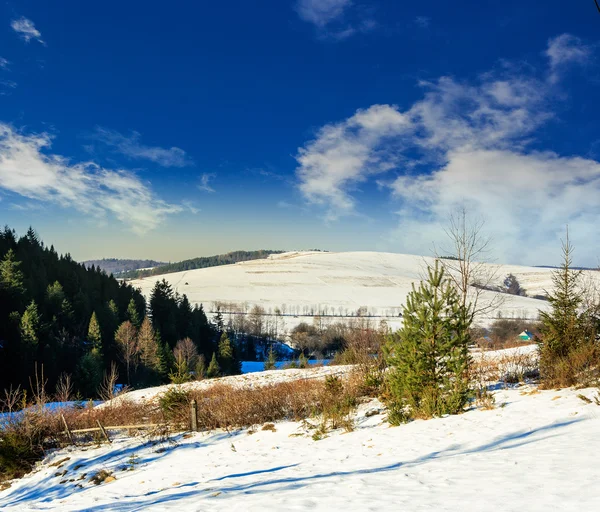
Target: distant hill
x=202, y=262
x=117, y=266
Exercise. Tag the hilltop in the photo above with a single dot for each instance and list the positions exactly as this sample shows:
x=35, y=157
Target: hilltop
x=302, y=285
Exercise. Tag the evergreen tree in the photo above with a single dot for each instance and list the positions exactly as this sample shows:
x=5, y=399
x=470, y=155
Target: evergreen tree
x=132, y=314
x=564, y=329
x=271, y=360
x=213, y=368
x=227, y=360
x=200, y=370
x=89, y=373
x=94, y=334
x=12, y=286
x=429, y=357
x=30, y=325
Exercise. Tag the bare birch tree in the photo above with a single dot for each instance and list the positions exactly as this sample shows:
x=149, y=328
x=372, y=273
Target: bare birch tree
x=465, y=263
x=126, y=338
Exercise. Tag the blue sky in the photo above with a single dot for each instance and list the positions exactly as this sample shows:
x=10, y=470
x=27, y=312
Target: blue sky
x=180, y=129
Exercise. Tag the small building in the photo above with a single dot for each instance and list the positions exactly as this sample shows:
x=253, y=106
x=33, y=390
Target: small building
x=525, y=336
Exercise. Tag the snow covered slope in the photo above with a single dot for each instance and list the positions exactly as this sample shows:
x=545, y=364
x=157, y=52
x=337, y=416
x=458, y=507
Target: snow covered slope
x=537, y=451
x=336, y=283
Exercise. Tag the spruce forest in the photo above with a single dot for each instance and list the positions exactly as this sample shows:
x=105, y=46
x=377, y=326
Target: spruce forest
x=63, y=319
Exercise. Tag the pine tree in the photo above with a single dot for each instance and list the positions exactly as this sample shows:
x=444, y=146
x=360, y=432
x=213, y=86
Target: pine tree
x=563, y=329
x=271, y=360
x=11, y=278
x=30, y=325
x=132, y=314
x=213, y=368
x=94, y=333
x=200, y=370
x=428, y=357
x=227, y=361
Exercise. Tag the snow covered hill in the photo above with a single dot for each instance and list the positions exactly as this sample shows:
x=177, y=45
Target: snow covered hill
x=536, y=451
x=301, y=284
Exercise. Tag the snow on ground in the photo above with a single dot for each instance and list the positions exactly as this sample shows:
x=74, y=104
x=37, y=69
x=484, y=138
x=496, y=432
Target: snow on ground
x=537, y=451
x=340, y=283
x=247, y=380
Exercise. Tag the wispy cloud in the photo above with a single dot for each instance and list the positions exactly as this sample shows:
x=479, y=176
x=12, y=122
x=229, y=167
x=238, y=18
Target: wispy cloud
x=26, y=30
x=204, y=182
x=422, y=21
x=330, y=18
x=132, y=147
x=564, y=50
x=28, y=169
x=4, y=63
x=462, y=144
x=189, y=205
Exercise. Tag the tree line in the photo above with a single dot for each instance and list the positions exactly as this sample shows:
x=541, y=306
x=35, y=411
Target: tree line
x=202, y=262
x=58, y=315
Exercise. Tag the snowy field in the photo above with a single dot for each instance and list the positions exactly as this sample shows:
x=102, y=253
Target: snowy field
x=536, y=451
x=338, y=283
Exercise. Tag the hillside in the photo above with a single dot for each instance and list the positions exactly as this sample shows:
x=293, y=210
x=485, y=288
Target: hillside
x=536, y=450
x=335, y=285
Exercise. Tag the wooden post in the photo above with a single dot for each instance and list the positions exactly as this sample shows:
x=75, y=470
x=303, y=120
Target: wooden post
x=69, y=435
x=103, y=431
x=194, y=416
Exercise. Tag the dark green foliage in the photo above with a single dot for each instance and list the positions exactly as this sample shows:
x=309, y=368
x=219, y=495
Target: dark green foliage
x=229, y=364
x=46, y=303
x=568, y=348
x=512, y=286
x=89, y=373
x=271, y=360
x=172, y=400
x=94, y=334
x=133, y=315
x=204, y=262
x=429, y=358
x=213, y=368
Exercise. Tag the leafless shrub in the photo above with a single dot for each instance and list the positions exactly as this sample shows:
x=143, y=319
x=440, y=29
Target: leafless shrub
x=64, y=388
x=11, y=399
x=108, y=389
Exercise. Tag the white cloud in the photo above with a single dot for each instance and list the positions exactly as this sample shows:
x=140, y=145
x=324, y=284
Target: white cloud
x=4, y=63
x=131, y=147
x=461, y=144
x=347, y=153
x=26, y=169
x=330, y=18
x=26, y=29
x=321, y=12
x=204, y=182
x=567, y=48
x=191, y=207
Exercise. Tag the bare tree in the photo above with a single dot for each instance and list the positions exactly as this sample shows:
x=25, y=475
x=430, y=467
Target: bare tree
x=11, y=398
x=126, y=338
x=465, y=263
x=185, y=352
x=108, y=388
x=64, y=388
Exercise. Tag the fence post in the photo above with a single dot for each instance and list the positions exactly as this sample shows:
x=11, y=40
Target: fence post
x=69, y=435
x=194, y=411
x=103, y=431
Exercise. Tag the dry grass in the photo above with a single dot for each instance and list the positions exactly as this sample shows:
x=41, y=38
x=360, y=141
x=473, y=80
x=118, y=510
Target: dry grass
x=509, y=368
x=24, y=440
